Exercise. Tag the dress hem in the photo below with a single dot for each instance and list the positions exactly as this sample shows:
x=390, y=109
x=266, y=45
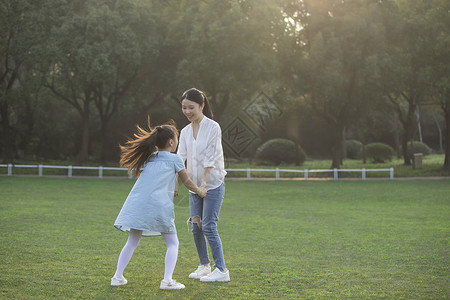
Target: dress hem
x=145, y=232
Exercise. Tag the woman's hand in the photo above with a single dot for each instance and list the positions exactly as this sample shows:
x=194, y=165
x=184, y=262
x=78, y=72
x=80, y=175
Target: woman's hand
x=202, y=192
x=203, y=185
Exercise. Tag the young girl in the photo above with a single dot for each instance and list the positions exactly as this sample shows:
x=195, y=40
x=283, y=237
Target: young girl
x=148, y=209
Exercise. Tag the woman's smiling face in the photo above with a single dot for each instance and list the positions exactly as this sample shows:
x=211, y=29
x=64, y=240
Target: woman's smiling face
x=192, y=110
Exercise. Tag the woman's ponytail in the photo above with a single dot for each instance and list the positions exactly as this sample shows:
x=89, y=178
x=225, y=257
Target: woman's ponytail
x=207, y=110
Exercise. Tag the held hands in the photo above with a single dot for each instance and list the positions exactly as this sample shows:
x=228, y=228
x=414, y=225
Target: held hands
x=202, y=191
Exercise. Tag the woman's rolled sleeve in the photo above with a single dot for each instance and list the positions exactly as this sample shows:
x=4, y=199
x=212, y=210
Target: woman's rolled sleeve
x=211, y=150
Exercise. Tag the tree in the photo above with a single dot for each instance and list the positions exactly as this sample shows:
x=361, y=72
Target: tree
x=228, y=48
x=431, y=24
x=333, y=60
x=381, y=125
x=160, y=36
x=116, y=45
x=95, y=59
x=416, y=66
x=25, y=26
x=72, y=69
x=402, y=84
x=26, y=96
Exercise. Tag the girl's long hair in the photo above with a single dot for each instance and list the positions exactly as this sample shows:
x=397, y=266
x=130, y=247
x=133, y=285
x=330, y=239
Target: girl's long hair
x=199, y=97
x=136, y=152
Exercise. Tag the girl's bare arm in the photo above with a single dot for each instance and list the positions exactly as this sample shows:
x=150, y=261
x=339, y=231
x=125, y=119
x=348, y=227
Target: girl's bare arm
x=190, y=184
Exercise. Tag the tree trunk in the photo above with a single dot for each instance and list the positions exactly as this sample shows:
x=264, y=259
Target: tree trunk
x=83, y=154
x=104, y=139
x=7, y=138
x=408, y=129
x=336, y=150
x=419, y=126
x=441, y=148
x=344, y=146
x=447, y=137
x=364, y=154
x=405, y=139
x=29, y=125
x=397, y=141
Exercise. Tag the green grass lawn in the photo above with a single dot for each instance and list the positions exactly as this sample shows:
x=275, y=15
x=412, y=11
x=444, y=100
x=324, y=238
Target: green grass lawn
x=345, y=239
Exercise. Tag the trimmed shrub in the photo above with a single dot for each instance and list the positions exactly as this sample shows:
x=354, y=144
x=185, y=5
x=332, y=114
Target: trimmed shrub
x=277, y=151
x=354, y=149
x=417, y=147
x=379, y=152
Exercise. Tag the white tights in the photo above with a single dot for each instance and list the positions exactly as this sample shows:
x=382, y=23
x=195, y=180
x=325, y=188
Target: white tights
x=133, y=241
x=171, y=255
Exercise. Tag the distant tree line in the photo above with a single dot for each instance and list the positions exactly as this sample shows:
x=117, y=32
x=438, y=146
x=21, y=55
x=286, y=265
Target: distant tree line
x=77, y=76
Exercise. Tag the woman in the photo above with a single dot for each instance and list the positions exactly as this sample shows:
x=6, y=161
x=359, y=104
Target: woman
x=201, y=146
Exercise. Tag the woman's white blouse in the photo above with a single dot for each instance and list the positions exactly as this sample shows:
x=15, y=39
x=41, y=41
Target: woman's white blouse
x=203, y=152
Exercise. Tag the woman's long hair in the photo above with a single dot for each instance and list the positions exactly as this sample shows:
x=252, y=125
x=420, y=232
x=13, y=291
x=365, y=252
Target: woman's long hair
x=199, y=97
x=136, y=152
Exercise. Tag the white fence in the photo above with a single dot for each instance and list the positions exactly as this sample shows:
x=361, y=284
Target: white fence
x=69, y=169
x=306, y=173
x=248, y=171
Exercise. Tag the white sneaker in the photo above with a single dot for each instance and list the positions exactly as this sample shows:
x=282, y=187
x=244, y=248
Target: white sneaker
x=217, y=275
x=171, y=285
x=116, y=281
x=200, y=272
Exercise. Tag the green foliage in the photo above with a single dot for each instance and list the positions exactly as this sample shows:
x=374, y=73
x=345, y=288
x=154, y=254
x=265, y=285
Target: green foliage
x=114, y=62
x=335, y=64
x=281, y=150
x=337, y=240
x=379, y=152
x=227, y=48
x=25, y=28
x=418, y=147
x=354, y=148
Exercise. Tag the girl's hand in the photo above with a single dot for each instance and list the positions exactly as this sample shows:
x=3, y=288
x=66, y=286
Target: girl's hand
x=176, y=191
x=201, y=191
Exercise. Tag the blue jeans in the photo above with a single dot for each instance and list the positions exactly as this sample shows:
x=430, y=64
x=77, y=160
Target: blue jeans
x=204, y=215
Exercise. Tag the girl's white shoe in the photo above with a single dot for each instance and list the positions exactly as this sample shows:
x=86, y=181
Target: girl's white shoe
x=217, y=275
x=171, y=285
x=116, y=281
